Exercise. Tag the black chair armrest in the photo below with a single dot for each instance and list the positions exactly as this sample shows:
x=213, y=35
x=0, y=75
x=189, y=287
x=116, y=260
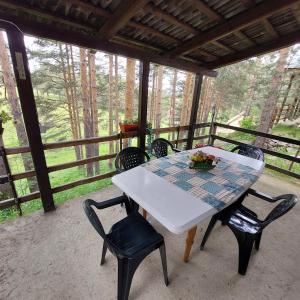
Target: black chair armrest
x=176, y=150
x=109, y=203
x=263, y=196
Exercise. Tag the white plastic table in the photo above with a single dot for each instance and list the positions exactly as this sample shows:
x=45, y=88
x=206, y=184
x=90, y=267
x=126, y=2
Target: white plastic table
x=170, y=205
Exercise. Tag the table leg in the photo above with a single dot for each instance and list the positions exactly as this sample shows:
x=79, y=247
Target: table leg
x=144, y=213
x=188, y=243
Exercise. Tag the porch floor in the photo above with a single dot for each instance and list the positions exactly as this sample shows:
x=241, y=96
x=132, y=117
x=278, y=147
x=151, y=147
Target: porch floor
x=57, y=255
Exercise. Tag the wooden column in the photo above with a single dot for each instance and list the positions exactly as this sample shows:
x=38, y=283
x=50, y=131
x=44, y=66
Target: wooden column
x=30, y=116
x=194, y=110
x=143, y=101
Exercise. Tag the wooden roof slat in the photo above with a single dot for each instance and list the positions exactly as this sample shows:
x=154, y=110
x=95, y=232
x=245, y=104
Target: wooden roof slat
x=124, y=12
x=253, y=14
x=41, y=13
x=281, y=42
x=45, y=30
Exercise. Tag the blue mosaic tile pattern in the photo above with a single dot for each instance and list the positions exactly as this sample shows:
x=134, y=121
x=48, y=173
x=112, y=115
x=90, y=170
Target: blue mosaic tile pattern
x=216, y=187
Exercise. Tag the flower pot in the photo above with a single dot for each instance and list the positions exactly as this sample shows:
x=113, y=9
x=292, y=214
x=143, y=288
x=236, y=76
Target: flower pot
x=128, y=127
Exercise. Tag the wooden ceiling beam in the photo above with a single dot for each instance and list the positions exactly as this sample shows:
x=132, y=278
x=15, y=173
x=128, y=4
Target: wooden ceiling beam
x=296, y=13
x=249, y=16
x=248, y=3
x=222, y=46
x=243, y=36
x=123, y=13
x=89, y=7
x=53, y=32
x=270, y=29
x=207, y=10
x=279, y=43
x=154, y=32
x=12, y=4
x=160, y=13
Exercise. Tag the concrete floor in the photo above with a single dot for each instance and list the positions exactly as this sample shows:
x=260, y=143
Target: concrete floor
x=56, y=256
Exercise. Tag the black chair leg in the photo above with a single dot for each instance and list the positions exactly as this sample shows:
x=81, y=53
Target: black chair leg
x=162, y=250
x=245, y=242
x=210, y=227
x=104, y=250
x=257, y=240
x=126, y=270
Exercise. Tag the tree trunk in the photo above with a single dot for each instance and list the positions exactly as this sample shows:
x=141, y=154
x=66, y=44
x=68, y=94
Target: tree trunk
x=285, y=97
x=86, y=108
x=69, y=86
x=15, y=109
x=76, y=95
x=153, y=95
x=158, y=96
x=110, y=104
x=94, y=107
x=130, y=80
x=185, y=99
x=250, y=95
x=172, y=104
x=270, y=103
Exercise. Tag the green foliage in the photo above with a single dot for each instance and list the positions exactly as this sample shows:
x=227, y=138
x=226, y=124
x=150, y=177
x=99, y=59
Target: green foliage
x=130, y=121
x=248, y=123
x=4, y=116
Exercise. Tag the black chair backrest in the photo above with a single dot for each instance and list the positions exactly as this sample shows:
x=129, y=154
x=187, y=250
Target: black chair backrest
x=129, y=158
x=250, y=151
x=159, y=147
x=287, y=203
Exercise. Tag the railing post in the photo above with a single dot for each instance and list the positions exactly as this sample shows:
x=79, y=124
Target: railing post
x=212, y=128
x=5, y=177
x=194, y=110
x=143, y=101
x=30, y=116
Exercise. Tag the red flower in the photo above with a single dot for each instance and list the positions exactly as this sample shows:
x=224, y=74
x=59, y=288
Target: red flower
x=199, y=145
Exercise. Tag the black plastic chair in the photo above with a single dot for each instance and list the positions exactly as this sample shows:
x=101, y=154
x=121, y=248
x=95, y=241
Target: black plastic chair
x=159, y=147
x=130, y=240
x=129, y=158
x=247, y=228
x=250, y=151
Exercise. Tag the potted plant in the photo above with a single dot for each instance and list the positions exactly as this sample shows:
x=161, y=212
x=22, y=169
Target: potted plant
x=202, y=161
x=129, y=125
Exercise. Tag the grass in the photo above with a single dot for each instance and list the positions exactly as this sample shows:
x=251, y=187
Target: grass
x=63, y=155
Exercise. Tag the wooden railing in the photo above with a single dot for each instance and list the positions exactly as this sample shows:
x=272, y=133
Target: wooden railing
x=255, y=133
x=58, y=145
x=120, y=137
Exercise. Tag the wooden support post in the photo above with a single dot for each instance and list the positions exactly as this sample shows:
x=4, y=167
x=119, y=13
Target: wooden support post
x=212, y=128
x=143, y=101
x=30, y=116
x=194, y=110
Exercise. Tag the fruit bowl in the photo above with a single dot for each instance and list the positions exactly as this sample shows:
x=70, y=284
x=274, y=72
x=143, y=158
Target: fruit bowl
x=202, y=161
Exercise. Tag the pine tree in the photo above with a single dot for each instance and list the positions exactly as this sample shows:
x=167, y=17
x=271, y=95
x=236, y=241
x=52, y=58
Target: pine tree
x=270, y=103
x=86, y=108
